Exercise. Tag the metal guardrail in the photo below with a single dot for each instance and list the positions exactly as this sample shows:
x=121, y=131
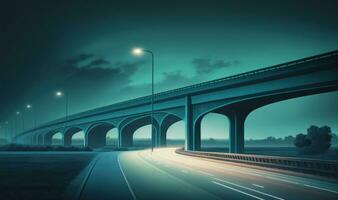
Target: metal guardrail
x=310, y=166
x=190, y=87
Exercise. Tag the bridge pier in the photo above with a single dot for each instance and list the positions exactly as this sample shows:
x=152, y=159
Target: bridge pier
x=67, y=140
x=192, y=129
x=188, y=146
x=236, y=137
x=119, y=142
x=162, y=136
x=126, y=138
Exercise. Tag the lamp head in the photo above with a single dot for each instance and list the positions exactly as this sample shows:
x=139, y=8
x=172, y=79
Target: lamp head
x=58, y=94
x=138, y=51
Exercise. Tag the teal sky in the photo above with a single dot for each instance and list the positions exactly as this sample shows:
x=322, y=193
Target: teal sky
x=86, y=51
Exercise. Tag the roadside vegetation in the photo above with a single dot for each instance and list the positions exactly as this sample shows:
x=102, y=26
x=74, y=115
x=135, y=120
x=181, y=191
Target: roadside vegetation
x=316, y=141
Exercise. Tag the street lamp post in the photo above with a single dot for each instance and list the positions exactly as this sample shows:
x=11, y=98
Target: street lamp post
x=16, y=123
x=23, y=121
x=60, y=94
x=7, y=129
x=30, y=107
x=139, y=52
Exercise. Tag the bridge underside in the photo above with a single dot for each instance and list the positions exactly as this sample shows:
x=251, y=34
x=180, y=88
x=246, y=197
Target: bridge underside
x=68, y=135
x=96, y=136
x=127, y=131
x=236, y=97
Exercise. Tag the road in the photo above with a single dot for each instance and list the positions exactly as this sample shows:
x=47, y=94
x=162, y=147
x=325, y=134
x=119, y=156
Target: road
x=163, y=174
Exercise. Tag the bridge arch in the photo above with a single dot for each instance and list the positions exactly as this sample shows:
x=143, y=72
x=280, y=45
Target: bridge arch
x=238, y=110
x=166, y=122
x=127, y=131
x=95, y=136
x=48, y=137
x=287, y=113
x=69, y=134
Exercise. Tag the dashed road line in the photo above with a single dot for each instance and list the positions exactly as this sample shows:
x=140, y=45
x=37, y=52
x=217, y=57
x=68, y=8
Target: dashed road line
x=260, y=186
x=263, y=193
x=240, y=191
x=125, y=178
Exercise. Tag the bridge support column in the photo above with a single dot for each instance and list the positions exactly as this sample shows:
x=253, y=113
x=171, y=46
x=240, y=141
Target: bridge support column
x=236, y=138
x=156, y=137
x=67, y=140
x=126, y=137
x=119, y=138
x=192, y=129
x=85, y=140
x=63, y=139
x=197, y=135
x=162, y=136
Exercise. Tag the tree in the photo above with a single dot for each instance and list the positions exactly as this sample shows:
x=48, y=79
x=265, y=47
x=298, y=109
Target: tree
x=317, y=140
x=289, y=139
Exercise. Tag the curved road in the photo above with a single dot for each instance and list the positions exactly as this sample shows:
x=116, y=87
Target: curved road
x=164, y=174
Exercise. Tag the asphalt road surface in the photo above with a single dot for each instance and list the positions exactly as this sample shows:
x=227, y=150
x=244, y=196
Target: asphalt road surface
x=163, y=174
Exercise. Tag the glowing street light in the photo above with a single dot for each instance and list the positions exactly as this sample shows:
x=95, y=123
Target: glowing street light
x=59, y=94
x=139, y=52
x=28, y=106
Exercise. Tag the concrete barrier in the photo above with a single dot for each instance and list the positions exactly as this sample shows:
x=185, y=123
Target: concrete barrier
x=311, y=166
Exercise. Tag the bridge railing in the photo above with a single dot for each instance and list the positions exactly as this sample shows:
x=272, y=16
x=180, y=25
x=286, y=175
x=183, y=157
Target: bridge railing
x=311, y=166
x=253, y=72
x=221, y=80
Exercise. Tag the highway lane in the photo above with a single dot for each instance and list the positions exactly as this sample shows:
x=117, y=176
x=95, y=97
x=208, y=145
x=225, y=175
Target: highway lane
x=105, y=179
x=163, y=174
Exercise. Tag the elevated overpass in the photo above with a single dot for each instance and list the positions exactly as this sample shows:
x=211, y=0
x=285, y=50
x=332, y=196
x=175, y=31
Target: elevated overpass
x=234, y=96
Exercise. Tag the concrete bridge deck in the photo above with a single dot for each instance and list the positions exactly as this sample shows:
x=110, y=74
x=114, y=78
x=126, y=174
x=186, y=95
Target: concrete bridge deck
x=235, y=97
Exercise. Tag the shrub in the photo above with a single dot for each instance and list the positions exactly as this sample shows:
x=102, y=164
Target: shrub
x=317, y=140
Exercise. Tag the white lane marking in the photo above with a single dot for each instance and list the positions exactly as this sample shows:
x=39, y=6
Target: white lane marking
x=319, y=188
x=206, y=173
x=90, y=171
x=273, y=176
x=240, y=191
x=268, y=175
x=269, y=195
x=125, y=178
x=253, y=174
x=184, y=171
x=260, y=186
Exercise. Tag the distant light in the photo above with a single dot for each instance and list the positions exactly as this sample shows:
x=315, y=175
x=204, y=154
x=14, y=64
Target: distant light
x=28, y=106
x=6, y=122
x=17, y=113
x=59, y=93
x=137, y=51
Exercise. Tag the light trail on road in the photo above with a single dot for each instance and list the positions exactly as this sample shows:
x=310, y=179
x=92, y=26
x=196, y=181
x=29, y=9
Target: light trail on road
x=163, y=174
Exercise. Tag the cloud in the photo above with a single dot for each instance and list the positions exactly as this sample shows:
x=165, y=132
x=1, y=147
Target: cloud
x=97, y=63
x=87, y=76
x=206, y=65
x=79, y=58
